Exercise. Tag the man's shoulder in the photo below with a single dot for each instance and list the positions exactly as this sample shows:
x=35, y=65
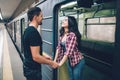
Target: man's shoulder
x=30, y=29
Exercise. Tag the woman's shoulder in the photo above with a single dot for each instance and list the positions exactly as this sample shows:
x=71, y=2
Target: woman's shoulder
x=71, y=34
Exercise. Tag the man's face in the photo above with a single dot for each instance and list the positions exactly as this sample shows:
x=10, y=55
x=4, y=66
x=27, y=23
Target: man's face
x=39, y=18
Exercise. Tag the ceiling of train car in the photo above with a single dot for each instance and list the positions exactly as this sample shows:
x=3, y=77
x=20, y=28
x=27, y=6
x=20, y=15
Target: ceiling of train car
x=72, y=8
x=8, y=7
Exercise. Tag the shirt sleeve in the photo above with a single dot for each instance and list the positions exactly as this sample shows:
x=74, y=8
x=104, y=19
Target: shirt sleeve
x=70, y=45
x=34, y=39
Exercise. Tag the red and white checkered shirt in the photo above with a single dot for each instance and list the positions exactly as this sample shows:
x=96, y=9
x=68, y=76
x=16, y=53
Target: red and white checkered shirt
x=72, y=51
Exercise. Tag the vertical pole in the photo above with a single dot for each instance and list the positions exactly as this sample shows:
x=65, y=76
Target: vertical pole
x=116, y=60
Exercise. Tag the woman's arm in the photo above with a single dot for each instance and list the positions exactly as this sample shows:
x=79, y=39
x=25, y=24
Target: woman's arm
x=57, y=49
x=56, y=55
x=65, y=57
x=70, y=44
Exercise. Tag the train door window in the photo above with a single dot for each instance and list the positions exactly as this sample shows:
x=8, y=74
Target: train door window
x=22, y=26
x=66, y=10
x=18, y=31
x=22, y=31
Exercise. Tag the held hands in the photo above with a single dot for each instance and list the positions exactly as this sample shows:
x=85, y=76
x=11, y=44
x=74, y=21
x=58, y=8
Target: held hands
x=55, y=65
x=52, y=63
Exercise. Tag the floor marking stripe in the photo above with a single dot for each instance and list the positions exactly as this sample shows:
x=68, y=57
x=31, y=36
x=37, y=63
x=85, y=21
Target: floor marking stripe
x=7, y=70
x=1, y=46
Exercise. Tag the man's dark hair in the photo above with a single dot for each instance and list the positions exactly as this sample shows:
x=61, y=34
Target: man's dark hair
x=32, y=12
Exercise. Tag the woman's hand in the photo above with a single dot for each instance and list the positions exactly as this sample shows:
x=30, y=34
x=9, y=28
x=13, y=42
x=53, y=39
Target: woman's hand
x=59, y=64
x=54, y=60
x=65, y=57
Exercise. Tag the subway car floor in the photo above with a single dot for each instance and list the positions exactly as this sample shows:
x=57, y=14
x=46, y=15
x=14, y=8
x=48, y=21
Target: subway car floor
x=10, y=61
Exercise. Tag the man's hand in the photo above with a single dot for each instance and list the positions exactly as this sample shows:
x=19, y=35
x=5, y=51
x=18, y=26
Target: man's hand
x=54, y=65
x=47, y=56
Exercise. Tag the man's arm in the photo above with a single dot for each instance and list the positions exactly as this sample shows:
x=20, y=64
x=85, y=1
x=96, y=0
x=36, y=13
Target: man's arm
x=47, y=56
x=39, y=58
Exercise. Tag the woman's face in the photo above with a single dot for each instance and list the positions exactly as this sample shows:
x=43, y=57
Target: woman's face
x=65, y=22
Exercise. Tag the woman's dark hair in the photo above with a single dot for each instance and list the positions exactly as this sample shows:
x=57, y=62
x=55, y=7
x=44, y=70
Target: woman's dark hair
x=72, y=27
x=32, y=12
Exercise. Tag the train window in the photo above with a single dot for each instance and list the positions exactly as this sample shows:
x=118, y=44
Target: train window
x=15, y=28
x=23, y=25
x=18, y=27
x=101, y=29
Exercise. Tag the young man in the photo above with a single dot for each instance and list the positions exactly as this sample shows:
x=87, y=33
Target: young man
x=32, y=43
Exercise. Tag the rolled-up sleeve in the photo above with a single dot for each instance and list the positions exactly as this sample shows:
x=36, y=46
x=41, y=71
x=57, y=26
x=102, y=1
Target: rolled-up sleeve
x=70, y=44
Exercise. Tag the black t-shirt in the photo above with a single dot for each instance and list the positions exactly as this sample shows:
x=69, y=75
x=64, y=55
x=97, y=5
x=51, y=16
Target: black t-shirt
x=31, y=37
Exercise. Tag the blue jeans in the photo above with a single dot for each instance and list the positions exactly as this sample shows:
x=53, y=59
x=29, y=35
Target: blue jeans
x=76, y=72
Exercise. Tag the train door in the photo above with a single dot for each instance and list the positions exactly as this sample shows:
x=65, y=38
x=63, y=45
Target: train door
x=63, y=73
x=22, y=21
x=97, y=24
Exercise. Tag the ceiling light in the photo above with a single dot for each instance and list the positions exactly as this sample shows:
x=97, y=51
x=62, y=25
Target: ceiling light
x=1, y=15
x=69, y=4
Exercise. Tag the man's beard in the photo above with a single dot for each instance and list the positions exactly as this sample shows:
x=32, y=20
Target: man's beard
x=40, y=23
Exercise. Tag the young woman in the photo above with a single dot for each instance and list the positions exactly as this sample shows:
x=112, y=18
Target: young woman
x=68, y=48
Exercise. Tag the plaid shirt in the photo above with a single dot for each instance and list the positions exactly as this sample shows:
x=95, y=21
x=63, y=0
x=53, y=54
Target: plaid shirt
x=72, y=51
